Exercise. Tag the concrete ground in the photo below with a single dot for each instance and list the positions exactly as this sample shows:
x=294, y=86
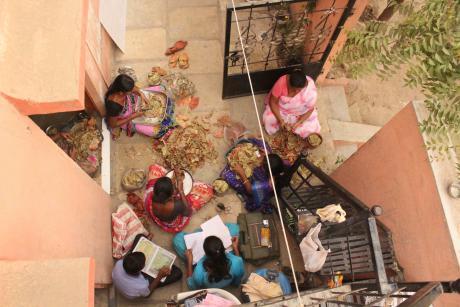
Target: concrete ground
x=152, y=26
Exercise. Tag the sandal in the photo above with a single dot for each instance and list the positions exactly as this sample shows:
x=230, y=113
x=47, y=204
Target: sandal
x=183, y=61
x=173, y=61
x=179, y=45
x=194, y=102
x=221, y=208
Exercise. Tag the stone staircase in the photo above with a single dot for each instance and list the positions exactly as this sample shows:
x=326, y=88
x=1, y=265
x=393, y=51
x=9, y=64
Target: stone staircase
x=341, y=132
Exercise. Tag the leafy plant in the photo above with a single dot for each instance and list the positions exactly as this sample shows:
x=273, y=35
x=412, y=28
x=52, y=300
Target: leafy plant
x=427, y=42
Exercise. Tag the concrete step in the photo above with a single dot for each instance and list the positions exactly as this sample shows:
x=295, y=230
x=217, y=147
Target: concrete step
x=337, y=102
x=350, y=132
x=344, y=151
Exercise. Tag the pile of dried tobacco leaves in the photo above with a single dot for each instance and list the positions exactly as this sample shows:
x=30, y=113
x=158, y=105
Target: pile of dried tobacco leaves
x=247, y=156
x=178, y=85
x=86, y=139
x=155, y=106
x=188, y=147
x=287, y=145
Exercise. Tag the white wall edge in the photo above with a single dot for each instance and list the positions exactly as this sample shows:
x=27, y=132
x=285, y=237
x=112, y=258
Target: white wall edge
x=445, y=173
x=105, y=165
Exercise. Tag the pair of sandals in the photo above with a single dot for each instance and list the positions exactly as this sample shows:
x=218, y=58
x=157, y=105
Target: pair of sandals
x=178, y=60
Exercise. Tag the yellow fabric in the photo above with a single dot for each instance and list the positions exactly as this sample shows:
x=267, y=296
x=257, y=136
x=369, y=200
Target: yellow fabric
x=258, y=288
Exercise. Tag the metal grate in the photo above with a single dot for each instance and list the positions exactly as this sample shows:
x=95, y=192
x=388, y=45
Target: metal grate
x=279, y=36
x=351, y=243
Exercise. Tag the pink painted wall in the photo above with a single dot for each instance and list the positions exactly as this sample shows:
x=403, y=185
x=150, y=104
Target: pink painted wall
x=392, y=170
x=315, y=20
x=99, y=57
x=57, y=282
x=42, y=54
x=49, y=208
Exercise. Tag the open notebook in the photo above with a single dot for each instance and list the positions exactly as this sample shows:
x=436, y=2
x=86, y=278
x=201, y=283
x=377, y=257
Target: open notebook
x=212, y=227
x=156, y=257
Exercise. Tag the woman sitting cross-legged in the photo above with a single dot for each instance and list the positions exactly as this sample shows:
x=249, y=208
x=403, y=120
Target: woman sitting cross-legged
x=217, y=269
x=166, y=203
x=123, y=103
x=291, y=105
x=256, y=189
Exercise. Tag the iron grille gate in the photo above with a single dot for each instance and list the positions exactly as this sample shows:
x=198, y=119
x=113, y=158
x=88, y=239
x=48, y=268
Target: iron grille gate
x=279, y=35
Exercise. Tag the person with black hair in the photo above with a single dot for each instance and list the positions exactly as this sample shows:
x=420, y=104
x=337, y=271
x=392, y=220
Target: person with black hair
x=129, y=280
x=257, y=190
x=123, y=103
x=165, y=201
x=217, y=269
x=290, y=105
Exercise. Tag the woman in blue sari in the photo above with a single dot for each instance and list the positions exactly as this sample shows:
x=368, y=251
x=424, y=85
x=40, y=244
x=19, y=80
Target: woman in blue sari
x=257, y=190
x=218, y=268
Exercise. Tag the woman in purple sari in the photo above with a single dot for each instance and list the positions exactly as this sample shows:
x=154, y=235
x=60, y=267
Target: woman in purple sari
x=257, y=190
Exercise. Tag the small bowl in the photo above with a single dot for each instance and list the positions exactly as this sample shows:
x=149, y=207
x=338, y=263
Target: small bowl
x=139, y=186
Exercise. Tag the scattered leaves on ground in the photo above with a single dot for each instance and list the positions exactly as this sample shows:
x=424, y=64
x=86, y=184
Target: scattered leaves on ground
x=287, y=145
x=188, y=147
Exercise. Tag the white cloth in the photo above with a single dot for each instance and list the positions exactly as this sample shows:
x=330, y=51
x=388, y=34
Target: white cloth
x=313, y=253
x=258, y=288
x=332, y=213
x=125, y=227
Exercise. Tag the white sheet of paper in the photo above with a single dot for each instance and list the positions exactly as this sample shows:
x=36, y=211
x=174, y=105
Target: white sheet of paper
x=194, y=241
x=216, y=227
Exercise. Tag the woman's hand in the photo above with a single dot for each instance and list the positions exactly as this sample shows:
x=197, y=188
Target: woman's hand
x=137, y=114
x=189, y=256
x=286, y=126
x=238, y=169
x=163, y=272
x=179, y=177
x=235, y=241
x=302, y=118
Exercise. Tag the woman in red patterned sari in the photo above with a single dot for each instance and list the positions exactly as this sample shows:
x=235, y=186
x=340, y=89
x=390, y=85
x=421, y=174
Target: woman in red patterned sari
x=166, y=203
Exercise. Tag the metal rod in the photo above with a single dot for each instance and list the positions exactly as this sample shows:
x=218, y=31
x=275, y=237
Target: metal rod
x=247, y=35
x=271, y=60
x=382, y=280
x=273, y=36
x=385, y=296
x=338, y=30
x=324, y=23
x=349, y=255
x=227, y=47
x=425, y=296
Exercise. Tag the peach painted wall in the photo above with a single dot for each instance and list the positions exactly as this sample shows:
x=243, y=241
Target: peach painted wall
x=99, y=57
x=42, y=54
x=316, y=22
x=350, y=23
x=49, y=207
x=50, y=283
x=393, y=170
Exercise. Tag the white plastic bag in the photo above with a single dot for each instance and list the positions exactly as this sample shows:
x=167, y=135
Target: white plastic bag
x=332, y=213
x=313, y=253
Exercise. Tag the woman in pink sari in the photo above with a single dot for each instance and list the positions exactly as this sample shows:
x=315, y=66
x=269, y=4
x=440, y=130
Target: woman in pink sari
x=291, y=105
x=123, y=102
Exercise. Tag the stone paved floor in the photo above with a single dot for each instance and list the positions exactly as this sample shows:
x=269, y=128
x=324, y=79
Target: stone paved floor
x=152, y=26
